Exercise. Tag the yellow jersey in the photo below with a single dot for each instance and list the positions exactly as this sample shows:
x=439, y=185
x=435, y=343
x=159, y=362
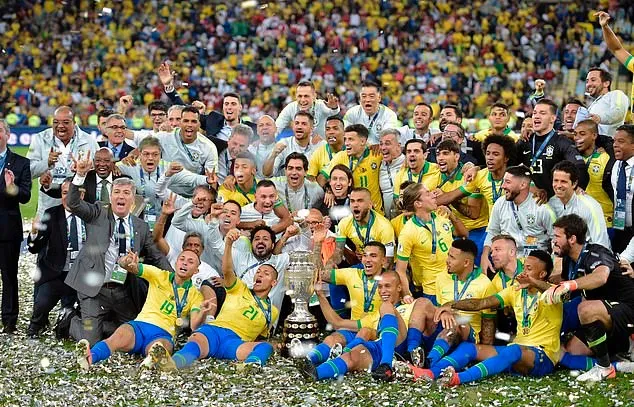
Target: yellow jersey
x=429, y=176
x=160, y=305
x=406, y=312
x=398, y=223
x=484, y=134
x=451, y=182
x=541, y=326
x=242, y=197
x=477, y=285
x=488, y=188
x=377, y=229
x=364, y=295
x=365, y=173
x=501, y=280
x=629, y=63
x=245, y=314
x=320, y=161
x=596, y=165
x=425, y=251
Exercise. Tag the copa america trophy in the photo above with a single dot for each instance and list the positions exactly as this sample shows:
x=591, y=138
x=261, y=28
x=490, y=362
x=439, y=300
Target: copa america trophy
x=300, y=328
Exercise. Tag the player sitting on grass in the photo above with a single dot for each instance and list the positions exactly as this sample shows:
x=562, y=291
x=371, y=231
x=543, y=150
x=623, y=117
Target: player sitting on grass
x=171, y=297
x=376, y=354
x=245, y=315
x=534, y=350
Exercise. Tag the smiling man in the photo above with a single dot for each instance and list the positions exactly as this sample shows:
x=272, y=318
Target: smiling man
x=266, y=210
x=263, y=146
x=609, y=107
x=114, y=129
x=498, y=119
x=294, y=189
x=416, y=168
x=393, y=160
x=306, y=101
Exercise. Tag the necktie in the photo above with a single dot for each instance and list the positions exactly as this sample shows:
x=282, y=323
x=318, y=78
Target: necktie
x=122, y=239
x=620, y=183
x=74, y=239
x=105, y=195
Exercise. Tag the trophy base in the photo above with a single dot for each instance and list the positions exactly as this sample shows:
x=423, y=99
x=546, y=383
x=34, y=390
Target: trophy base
x=298, y=337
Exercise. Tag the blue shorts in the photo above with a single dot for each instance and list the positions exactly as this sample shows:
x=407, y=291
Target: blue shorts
x=478, y=236
x=542, y=364
x=347, y=335
x=146, y=333
x=570, y=322
x=223, y=343
x=374, y=348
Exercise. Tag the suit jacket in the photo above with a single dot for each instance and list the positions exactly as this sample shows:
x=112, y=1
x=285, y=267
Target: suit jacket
x=10, y=216
x=88, y=272
x=51, y=244
x=123, y=153
x=90, y=185
x=212, y=123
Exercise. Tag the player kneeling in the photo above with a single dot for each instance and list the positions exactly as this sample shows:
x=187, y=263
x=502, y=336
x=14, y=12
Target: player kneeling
x=245, y=315
x=171, y=297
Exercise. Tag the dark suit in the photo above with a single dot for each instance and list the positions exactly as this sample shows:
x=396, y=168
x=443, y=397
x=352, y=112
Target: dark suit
x=123, y=153
x=51, y=246
x=88, y=272
x=11, y=235
x=90, y=185
x=211, y=123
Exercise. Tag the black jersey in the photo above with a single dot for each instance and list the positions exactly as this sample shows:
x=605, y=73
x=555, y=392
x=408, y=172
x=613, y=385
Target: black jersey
x=557, y=149
x=618, y=288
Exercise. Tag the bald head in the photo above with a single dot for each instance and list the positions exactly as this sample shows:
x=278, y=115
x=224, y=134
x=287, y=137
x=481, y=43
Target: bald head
x=63, y=124
x=266, y=129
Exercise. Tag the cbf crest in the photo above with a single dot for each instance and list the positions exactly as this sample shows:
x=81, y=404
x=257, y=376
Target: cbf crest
x=550, y=150
x=446, y=227
x=595, y=168
x=530, y=218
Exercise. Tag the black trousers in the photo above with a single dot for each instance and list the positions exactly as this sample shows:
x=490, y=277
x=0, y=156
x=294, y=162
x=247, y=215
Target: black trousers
x=9, y=255
x=621, y=239
x=46, y=296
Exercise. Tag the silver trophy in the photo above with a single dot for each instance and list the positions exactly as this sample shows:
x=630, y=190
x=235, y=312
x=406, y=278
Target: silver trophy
x=300, y=328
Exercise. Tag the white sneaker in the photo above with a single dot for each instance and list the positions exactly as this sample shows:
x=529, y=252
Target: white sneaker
x=625, y=367
x=597, y=374
x=82, y=352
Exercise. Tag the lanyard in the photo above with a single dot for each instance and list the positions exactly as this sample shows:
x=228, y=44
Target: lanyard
x=432, y=231
x=71, y=150
x=367, y=230
x=251, y=267
x=366, y=152
x=116, y=235
x=180, y=302
x=588, y=160
x=456, y=296
x=376, y=115
x=451, y=176
x=368, y=295
x=329, y=152
x=516, y=216
x=497, y=192
x=288, y=201
x=389, y=174
x=573, y=267
x=526, y=309
x=158, y=175
x=246, y=195
x=420, y=174
x=189, y=154
x=539, y=152
x=504, y=277
x=265, y=310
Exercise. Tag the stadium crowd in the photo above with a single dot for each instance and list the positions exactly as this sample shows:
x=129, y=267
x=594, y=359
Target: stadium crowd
x=435, y=244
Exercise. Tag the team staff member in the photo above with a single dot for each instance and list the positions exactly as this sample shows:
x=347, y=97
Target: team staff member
x=364, y=163
x=622, y=178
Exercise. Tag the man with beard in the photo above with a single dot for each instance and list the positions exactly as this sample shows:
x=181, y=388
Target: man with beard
x=306, y=101
x=371, y=113
x=422, y=116
x=146, y=174
x=569, y=116
x=416, y=168
x=266, y=210
x=499, y=120
x=545, y=148
x=364, y=225
x=294, y=190
x=566, y=202
x=114, y=129
x=263, y=146
x=301, y=142
x=507, y=267
x=453, y=114
x=217, y=126
x=519, y=216
x=237, y=144
x=599, y=168
x=52, y=151
x=608, y=108
x=606, y=312
x=363, y=162
x=393, y=160
x=322, y=157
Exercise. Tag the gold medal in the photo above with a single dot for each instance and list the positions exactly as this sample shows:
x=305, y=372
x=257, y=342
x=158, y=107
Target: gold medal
x=179, y=322
x=526, y=330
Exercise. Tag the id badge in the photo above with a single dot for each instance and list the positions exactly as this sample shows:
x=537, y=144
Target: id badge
x=73, y=254
x=59, y=175
x=118, y=275
x=619, y=219
x=150, y=220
